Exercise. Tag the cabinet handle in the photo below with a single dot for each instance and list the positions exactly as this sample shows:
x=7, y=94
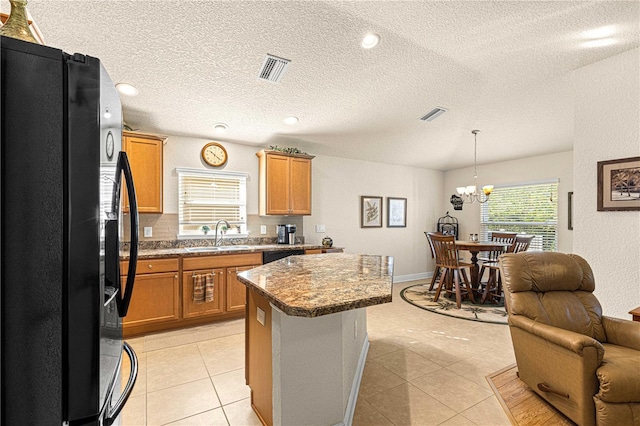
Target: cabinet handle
x=150, y=266
x=175, y=277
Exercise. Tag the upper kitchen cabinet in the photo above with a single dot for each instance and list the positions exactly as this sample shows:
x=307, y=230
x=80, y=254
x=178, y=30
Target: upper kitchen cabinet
x=145, y=155
x=285, y=183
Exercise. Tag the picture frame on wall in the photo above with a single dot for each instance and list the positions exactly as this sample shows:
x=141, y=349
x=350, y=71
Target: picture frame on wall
x=370, y=212
x=396, y=212
x=619, y=184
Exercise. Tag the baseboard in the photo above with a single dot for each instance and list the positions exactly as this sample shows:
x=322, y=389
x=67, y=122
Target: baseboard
x=412, y=277
x=355, y=386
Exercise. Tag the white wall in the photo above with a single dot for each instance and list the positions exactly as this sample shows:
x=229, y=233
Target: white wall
x=607, y=127
x=507, y=172
x=338, y=184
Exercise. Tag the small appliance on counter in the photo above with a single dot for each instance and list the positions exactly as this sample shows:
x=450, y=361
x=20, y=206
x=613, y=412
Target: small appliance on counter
x=286, y=234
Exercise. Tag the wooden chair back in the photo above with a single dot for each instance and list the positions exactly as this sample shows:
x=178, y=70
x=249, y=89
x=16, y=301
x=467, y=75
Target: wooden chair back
x=521, y=243
x=445, y=249
x=501, y=237
x=433, y=251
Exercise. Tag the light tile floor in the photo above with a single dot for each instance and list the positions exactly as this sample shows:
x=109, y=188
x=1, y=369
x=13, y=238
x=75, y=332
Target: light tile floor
x=422, y=369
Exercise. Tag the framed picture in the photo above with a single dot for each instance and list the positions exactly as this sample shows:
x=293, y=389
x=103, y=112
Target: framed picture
x=370, y=212
x=570, y=211
x=396, y=212
x=619, y=184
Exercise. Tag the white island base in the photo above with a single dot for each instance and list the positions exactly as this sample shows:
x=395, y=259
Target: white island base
x=316, y=365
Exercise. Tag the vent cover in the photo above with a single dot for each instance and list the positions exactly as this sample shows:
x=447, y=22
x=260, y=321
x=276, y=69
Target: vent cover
x=433, y=114
x=273, y=68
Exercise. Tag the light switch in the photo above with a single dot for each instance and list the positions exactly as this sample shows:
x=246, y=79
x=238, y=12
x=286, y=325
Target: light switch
x=148, y=232
x=263, y=229
x=260, y=316
x=320, y=229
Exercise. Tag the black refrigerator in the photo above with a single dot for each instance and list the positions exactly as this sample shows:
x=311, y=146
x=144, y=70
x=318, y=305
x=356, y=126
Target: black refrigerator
x=61, y=297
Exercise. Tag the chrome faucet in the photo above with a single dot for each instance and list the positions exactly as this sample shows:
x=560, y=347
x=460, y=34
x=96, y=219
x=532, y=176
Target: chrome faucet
x=216, y=241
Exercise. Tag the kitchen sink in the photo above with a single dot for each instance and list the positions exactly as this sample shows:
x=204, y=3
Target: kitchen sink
x=220, y=248
x=200, y=249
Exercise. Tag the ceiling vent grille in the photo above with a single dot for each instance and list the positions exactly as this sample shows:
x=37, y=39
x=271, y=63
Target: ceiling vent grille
x=433, y=114
x=273, y=68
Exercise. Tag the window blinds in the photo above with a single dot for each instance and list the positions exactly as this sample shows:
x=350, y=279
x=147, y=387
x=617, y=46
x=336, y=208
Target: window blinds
x=207, y=197
x=530, y=208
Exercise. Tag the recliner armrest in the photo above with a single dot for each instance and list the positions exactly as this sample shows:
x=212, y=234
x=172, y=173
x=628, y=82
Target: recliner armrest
x=622, y=332
x=570, y=340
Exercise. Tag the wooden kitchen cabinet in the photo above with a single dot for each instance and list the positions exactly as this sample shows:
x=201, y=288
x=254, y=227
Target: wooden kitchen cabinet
x=285, y=183
x=191, y=309
x=236, y=291
x=145, y=156
x=229, y=293
x=156, y=294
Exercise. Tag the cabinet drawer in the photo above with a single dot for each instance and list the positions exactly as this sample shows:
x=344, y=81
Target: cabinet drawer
x=313, y=251
x=221, y=261
x=151, y=266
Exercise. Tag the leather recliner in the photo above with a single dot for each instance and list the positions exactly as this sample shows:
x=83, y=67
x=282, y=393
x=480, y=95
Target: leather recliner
x=583, y=363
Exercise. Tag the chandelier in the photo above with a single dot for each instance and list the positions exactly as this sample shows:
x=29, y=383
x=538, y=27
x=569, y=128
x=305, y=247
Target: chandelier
x=468, y=194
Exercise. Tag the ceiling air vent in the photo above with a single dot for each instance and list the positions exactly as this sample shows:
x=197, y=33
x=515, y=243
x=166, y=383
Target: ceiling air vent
x=433, y=114
x=273, y=68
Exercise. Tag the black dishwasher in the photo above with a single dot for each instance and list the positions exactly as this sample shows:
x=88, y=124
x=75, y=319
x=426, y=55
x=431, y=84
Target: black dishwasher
x=271, y=256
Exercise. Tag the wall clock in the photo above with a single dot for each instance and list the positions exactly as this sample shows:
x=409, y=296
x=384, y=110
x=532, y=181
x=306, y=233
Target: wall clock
x=214, y=154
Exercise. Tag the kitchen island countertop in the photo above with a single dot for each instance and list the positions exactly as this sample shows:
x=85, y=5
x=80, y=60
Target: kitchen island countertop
x=322, y=284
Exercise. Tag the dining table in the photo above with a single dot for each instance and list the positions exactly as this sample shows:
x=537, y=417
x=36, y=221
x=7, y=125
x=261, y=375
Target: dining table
x=475, y=247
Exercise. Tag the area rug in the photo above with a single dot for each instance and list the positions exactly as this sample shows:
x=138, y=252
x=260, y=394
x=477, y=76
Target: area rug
x=420, y=296
x=522, y=405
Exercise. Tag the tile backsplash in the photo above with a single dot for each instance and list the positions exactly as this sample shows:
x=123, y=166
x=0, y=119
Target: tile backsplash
x=165, y=226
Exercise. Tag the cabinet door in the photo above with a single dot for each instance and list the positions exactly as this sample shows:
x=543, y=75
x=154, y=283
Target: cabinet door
x=236, y=291
x=300, y=195
x=278, y=186
x=145, y=157
x=191, y=309
x=155, y=299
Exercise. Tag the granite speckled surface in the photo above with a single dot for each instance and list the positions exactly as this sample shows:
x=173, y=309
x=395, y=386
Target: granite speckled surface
x=322, y=284
x=213, y=251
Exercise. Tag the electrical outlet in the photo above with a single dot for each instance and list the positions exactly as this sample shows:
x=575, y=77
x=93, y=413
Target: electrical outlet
x=320, y=229
x=260, y=316
x=148, y=232
x=263, y=229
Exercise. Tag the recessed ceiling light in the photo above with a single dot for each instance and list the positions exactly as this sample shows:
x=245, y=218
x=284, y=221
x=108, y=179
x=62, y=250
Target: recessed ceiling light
x=602, y=42
x=290, y=121
x=127, y=89
x=220, y=127
x=370, y=40
x=601, y=32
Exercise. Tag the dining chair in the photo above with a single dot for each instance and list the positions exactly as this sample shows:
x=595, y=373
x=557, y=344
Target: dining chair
x=447, y=259
x=492, y=258
x=437, y=271
x=493, y=288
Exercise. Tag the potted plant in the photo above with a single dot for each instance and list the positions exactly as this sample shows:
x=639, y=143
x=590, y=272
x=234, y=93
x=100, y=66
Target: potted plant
x=205, y=229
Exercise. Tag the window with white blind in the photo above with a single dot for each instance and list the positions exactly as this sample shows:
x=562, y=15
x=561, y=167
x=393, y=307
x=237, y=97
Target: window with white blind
x=206, y=197
x=527, y=208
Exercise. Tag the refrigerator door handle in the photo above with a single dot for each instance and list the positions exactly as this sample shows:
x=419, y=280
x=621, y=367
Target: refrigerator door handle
x=112, y=415
x=124, y=168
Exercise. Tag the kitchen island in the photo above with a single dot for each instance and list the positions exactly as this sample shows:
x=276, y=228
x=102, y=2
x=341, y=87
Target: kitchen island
x=306, y=334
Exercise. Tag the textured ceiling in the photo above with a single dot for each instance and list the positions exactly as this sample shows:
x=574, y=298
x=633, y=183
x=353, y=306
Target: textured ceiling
x=501, y=67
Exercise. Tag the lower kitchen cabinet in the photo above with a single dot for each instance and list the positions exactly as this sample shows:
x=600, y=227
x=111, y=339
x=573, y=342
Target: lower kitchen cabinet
x=236, y=291
x=156, y=294
x=194, y=309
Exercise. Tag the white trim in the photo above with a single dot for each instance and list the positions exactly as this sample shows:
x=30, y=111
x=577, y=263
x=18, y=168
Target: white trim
x=412, y=277
x=211, y=172
x=355, y=385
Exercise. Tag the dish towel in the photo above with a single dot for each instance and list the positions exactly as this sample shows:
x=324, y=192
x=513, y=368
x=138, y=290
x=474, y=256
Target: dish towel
x=203, y=286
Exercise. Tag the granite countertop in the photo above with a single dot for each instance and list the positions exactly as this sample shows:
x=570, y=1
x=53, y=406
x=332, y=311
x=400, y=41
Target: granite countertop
x=213, y=251
x=322, y=284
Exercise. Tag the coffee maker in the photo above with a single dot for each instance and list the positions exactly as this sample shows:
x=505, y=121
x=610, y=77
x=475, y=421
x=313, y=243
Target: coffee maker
x=286, y=234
